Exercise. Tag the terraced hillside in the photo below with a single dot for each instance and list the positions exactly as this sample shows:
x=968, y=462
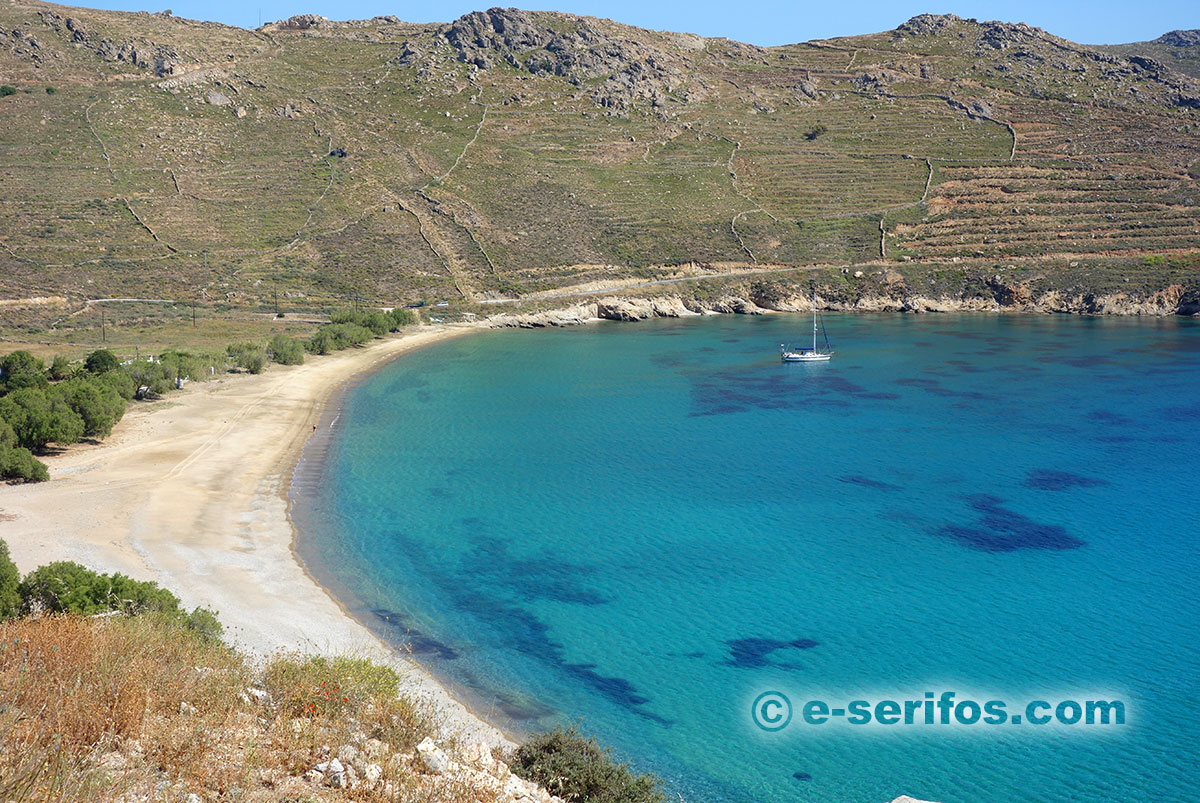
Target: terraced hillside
x=513, y=152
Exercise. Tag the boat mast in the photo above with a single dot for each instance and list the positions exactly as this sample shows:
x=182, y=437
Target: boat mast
x=814, y=306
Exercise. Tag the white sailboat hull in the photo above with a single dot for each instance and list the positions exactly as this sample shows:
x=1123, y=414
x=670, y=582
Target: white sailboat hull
x=806, y=354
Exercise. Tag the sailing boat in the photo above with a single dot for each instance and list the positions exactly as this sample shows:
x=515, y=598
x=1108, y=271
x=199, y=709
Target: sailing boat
x=813, y=354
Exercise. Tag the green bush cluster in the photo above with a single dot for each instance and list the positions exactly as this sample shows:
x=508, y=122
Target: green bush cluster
x=162, y=373
x=576, y=768
x=338, y=336
x=348, y=328
x=251, y=357
x=66, y=402
x=286, y=350
x=34, y=411
x=6, y=90
x=67, y=587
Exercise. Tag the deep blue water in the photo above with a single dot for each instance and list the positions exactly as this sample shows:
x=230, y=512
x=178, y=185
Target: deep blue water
x=643, y=526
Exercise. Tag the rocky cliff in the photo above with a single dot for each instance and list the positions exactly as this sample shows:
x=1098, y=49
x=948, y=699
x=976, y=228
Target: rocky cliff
x=757, y=298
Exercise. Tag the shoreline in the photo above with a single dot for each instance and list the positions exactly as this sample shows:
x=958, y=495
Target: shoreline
x=193, y=493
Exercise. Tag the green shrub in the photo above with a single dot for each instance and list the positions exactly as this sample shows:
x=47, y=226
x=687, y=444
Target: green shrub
x=579, y=770
x=6, y=90
x=161, y=374
x=10, y=579
x=18, y=463
x=338, y=336
x=380, y=323
x=60, y=369
x=51, y=90
x=98, y=404
x=316, y=687
x=204, y=622
x=401, y=317
x=101, y=361
x=286, y=350
x=248, y=356
x=38, y=418
x=295, y=681
x=20, y=369
x=67, y=587
x=120, y=382
x=152, y=374
x=185, y=365
x=816, y=131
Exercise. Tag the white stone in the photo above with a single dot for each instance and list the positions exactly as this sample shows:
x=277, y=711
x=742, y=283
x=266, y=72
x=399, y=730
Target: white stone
x=371, y=775
x=334, y=772
x=517, y=788
x=434, y=759
x=376, y=751
x=258, y=695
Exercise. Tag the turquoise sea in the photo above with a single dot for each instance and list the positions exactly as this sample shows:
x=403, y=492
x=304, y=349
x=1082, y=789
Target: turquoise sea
x=642, y=527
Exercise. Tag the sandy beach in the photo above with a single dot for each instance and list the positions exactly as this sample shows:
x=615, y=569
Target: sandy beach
x=191, y=492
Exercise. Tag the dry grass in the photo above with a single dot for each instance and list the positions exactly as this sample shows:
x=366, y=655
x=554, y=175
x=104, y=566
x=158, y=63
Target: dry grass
x=117, y=709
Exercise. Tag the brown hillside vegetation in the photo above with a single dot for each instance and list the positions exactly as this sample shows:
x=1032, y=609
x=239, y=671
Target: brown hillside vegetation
x=122, y=709
x=512, y=152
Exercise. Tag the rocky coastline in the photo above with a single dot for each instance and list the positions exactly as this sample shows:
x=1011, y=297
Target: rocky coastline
x=994, y=295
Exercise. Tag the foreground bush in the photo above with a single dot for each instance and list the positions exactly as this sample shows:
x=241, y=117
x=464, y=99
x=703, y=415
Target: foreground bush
x=577, y=769
x=67, y=587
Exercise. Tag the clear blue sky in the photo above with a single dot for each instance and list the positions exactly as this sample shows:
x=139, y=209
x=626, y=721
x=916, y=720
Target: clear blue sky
x=762, y=22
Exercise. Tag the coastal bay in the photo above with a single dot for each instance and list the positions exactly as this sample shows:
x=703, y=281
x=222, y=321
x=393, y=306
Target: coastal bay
x=644, y=525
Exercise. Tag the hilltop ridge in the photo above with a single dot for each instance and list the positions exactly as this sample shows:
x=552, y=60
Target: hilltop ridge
x=512, y=152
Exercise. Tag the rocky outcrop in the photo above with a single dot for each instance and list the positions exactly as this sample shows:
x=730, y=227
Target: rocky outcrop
x=569, y=316
x=994, y=294
x=893, y=294
x=637, y=309
x=299, y=22
x=1189, y=38
x=162, y=60
x=370, y=765
x=574, y=48
x=927, y=24
x=1034, y=59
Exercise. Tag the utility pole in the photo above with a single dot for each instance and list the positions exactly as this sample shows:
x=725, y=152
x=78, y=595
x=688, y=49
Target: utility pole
x=102, y=337
x=276, y=299
x=193, y=314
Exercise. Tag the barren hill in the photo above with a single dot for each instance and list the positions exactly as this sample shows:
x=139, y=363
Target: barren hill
x=510, y=152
